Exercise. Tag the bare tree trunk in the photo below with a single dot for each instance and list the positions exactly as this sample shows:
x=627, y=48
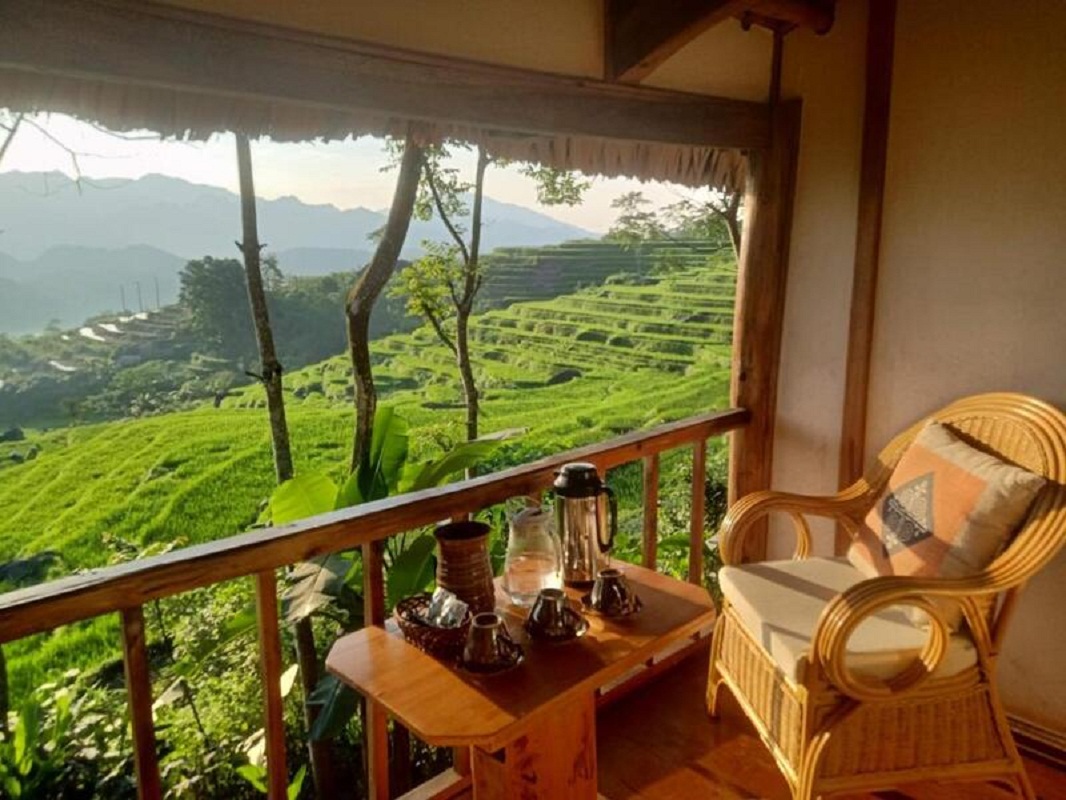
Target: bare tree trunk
x=264, y=335
x=471, y=284
x=319, y=753
x=466, y=373
x=365, y=293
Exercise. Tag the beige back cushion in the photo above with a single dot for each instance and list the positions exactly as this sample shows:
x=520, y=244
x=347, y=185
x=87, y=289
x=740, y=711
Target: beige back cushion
x=946, y=512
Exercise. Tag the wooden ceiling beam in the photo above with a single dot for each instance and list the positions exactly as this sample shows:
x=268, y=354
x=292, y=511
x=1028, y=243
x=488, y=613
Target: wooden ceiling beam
x=785, y=15
x=641, y=34
x=154, y=46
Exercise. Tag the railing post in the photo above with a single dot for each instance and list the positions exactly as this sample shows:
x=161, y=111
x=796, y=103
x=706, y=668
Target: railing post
x=695, y=536
x=266, y=601
x=139, y=696
x=376, y=724
x=651, y=510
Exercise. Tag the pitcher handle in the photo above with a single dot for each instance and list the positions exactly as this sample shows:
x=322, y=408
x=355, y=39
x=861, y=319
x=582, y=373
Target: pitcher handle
x=613, y=511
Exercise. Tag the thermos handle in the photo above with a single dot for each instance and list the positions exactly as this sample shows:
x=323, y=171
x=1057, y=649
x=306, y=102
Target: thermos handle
x=613, y=510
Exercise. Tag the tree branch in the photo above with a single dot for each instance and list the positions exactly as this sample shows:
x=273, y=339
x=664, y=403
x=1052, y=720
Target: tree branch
x=438, y=203
x=471, y=283
x=438, y=326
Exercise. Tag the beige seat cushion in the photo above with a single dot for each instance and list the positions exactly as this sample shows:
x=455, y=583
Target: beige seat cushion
x=779, y=603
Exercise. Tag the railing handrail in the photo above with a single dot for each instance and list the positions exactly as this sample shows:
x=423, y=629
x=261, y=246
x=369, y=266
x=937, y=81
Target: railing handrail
x=78, y=597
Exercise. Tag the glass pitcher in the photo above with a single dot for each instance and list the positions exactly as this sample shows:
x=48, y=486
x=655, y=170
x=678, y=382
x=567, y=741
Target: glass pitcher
x=533, y=559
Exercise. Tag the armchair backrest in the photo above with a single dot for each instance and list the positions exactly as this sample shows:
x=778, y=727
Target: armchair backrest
x=1023, y=431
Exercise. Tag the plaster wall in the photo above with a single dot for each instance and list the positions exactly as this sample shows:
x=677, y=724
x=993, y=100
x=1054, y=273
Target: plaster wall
x=973, y=258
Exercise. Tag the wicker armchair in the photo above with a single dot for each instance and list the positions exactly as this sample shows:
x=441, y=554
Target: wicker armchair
x=934, y=712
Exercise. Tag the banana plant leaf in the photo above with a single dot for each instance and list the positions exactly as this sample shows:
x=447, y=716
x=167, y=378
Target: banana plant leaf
x=336, y=705
x=303, y=496
x=461, y=457
x=314, y=584
x=412, y=570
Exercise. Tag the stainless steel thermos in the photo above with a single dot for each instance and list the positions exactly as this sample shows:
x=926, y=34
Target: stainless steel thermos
x=586, y=518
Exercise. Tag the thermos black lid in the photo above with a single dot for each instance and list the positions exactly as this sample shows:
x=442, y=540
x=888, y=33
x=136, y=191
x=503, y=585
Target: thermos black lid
x=578, y=479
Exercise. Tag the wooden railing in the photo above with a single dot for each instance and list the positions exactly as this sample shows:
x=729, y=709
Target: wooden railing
x=128, y=587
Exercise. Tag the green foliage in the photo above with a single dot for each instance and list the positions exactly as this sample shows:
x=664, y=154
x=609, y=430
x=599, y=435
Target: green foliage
x=66, y=742
x=215, y=296
x=556, y=187
x=428, y=285
x=635, y=223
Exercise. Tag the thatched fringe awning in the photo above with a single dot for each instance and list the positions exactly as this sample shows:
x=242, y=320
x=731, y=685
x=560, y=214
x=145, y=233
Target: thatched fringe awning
x=122, y=106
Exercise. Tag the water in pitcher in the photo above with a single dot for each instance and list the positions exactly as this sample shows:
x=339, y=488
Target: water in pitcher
x=532, y=561
x=527, y=573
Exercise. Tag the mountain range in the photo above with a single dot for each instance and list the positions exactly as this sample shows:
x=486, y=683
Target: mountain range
x=69, y=250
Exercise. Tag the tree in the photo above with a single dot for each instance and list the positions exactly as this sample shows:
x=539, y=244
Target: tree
x=270, y=371
x=214, y=293
x=635, y=224
x=705, y=219
x=716, y=218
x=442, y=286
x=365, y=293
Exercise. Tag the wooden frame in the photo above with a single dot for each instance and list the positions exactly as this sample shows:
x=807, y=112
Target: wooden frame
x=168, y=48
x=879, y=51
x=760, y=305
x=639, y=35
x=835, y=731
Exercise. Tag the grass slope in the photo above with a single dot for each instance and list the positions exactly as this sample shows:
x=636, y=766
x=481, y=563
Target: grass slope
x=576, y=369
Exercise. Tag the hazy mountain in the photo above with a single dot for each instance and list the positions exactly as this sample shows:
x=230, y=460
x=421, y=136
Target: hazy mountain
x=318, y=260
x=69, y=284
x=68, y=252
x=40, y=210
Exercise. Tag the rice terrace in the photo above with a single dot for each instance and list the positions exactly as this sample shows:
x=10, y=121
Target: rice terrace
x=132, y=433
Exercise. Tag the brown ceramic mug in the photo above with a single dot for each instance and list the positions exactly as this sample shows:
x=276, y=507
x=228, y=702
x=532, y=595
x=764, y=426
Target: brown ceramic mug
x=611, y=595
x=487, y=642
x=551, y=615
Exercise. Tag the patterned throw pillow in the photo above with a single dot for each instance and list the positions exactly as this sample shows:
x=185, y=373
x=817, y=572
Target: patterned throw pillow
x=946, y=512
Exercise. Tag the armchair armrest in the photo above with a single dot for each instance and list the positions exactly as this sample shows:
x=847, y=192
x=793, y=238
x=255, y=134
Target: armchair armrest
x=746, y=511
x=849, y=609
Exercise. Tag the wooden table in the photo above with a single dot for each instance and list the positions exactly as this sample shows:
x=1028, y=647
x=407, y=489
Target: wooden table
x=532, y=731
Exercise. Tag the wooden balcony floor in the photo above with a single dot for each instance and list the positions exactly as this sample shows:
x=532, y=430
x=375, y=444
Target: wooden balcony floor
x=659, y=744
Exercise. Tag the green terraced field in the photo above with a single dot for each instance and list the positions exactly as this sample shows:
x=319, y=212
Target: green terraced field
x=578, y=368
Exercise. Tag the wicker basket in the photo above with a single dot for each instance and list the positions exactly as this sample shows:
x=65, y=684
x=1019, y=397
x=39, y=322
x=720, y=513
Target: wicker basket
x=444, y=643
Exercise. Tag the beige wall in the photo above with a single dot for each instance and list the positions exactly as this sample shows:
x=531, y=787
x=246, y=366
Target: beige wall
x=972, y=293
x=828, y=73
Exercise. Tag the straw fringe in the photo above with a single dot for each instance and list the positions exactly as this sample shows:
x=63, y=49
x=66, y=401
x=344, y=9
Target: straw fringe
x=195, y=116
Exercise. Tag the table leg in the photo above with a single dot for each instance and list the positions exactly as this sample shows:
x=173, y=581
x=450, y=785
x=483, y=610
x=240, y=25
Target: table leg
x=554, y=758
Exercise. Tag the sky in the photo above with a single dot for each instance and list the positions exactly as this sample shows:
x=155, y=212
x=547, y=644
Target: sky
x=344, y=174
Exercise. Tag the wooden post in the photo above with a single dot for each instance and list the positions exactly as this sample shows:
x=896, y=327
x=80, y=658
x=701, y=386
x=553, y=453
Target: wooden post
x=695, y=536
x=139, y=695
x=266, y=602
x=760, y=307
x=651, y=510
x=376, y=722
x=880, y=40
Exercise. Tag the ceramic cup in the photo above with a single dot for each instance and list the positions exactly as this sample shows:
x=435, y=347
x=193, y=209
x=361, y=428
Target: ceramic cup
x=611, y=595
x=487, y=642
x=551, y=615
